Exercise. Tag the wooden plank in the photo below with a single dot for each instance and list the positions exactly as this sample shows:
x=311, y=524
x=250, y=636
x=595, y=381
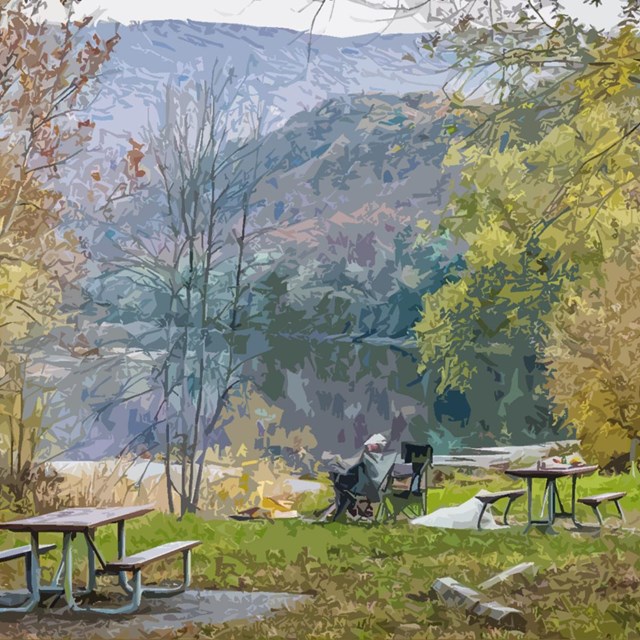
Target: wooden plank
x=139, y=560
x=504, y=575
x=491, y=498
x=602, y=497
x=79, y=519
x=21, y=552
x=552, y=472
x=498, y=615
x=454, y=594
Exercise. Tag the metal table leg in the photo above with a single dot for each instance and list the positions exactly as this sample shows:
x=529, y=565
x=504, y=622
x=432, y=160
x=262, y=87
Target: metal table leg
x=32, y=574
x=550, y=492
x=33, y=569
x=56, y=587
x=544, y=498
x=130, y=607
x=67, y=558
x=163, y=592
x=57, y=576
x=553, y=494
x=506, y=512
x=91, y=561
x=574, y=481
x=136, y=590
x=122, y=546
x=620, y=512
x=561, y=511
x=529, y=505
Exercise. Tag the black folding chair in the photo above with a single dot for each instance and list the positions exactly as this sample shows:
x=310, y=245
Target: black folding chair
x=413, y=475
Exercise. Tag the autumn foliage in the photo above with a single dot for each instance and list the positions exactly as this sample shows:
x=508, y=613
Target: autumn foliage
x=46, y=72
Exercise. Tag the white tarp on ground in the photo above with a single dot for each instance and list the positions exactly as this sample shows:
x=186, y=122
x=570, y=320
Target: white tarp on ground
x=462, y=516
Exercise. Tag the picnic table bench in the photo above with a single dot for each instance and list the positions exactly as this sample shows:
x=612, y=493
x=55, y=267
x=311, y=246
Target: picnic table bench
x=595, y=501
x=24, y=552
x=84, y=522
x=488, y=498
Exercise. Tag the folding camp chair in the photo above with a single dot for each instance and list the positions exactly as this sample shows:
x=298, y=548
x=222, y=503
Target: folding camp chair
x=406, y=488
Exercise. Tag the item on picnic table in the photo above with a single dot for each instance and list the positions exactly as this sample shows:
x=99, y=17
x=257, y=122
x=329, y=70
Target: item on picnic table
x=561, y=461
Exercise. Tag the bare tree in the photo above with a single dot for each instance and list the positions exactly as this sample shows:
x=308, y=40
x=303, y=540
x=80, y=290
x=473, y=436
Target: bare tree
x=208, y=160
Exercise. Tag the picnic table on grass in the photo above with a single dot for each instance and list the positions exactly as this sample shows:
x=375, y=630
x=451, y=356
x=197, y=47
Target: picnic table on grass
x=84, y=522
x=551, y=475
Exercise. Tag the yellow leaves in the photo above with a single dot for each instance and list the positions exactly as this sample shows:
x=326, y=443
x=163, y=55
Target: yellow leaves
x=556, y=150
x=612, y=72
x=14, y=277
x=28, y=297
x=496, y=171
x=455, y=156
x=26, y=81
x=594, y=348
x=570, y=190
x=450, y=296
x=10, y=404
x=457, y=99
x=435, y=329
x=492, y=244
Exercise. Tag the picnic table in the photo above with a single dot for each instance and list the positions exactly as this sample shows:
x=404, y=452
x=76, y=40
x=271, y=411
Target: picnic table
x=84, y=521
x=551, y=474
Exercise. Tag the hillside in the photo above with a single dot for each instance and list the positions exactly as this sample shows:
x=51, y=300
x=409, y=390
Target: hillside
x=346, y=184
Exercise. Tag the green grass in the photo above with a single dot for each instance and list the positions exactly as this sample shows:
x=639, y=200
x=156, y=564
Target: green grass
x=372, y=581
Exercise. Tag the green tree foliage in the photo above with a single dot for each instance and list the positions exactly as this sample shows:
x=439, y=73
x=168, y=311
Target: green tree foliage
x=548, y=186
x=593, y=350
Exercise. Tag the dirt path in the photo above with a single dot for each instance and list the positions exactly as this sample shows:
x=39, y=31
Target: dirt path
x=154, y=616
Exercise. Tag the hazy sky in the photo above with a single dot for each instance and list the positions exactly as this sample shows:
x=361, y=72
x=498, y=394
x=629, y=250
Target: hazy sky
x=338, y=17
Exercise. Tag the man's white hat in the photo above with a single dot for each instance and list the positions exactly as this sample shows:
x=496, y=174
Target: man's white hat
x=376, y=438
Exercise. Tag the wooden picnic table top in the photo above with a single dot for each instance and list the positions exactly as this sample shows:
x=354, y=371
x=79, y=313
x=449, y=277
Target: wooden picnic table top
x=77, y=519
x=552, y=472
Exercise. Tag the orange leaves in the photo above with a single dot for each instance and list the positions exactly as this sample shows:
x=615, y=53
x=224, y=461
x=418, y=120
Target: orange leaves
x=93, y=55
x=81, y=24
x=134, y=158
x=43, y=69
x=26, y=81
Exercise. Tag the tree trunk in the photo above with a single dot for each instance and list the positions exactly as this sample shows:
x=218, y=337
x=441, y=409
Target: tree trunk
x=205, y=446
x=167, y=468
x=633, y=455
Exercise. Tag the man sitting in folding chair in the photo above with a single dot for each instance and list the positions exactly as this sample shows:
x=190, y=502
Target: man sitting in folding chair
x=357, y=482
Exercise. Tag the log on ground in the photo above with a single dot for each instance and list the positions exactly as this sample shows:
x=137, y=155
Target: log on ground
x=453, y=594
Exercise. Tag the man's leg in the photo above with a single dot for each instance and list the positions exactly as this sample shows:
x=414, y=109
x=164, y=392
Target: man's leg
x=343, y=502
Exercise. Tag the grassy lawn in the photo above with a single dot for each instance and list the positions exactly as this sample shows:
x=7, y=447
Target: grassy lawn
x=372, y=581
